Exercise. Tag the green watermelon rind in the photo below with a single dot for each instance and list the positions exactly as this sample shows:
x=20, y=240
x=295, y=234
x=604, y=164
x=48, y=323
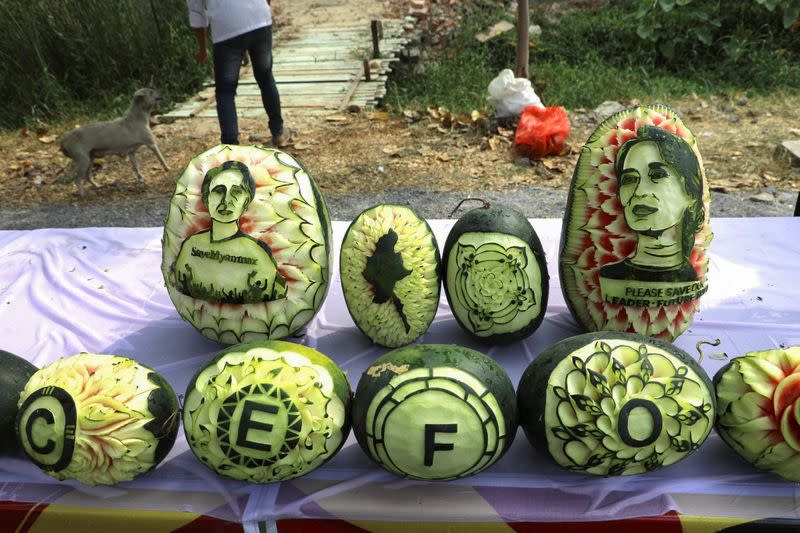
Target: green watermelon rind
x=16, y=373
x=163, y=405
x=504, y=220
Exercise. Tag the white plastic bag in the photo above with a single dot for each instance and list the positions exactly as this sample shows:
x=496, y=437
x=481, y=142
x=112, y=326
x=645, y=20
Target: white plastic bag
x=509, y=95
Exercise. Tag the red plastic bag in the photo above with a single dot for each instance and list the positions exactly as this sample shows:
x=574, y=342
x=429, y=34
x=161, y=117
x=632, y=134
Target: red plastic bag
x=542, y=131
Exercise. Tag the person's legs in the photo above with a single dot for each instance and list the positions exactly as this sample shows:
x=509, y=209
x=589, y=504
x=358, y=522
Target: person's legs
x=227, y=61
x=260, y=48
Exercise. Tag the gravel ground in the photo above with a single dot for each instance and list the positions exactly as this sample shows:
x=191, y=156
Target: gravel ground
x=534, y=202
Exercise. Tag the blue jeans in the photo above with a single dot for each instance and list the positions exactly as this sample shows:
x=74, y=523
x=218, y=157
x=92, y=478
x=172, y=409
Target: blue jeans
x=227, y=62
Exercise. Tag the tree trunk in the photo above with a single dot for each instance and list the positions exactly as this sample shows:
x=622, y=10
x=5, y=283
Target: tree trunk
x=523, y=39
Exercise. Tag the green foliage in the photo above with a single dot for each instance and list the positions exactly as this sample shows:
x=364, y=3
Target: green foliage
x=650, y=50
x=458, y=78
x=59, y=58
x=678, y=26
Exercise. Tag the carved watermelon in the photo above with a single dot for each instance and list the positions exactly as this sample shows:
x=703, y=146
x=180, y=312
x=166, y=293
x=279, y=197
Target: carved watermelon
x=636, y=231
x=267, y=411
x=246, y=248
x=615, y=404
x=434, y=411
x=100, y=419
x=389, y=265
x=495, y=274
x=759, y=409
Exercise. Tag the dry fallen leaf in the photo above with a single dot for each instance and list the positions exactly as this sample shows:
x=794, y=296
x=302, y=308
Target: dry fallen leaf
x=392, y=150
x=498, y=29
x=552, y=165
x=47, y=139
x=494, y=143
x=444, y=157
x=505, y=132
x=464, y=120
x=446, y=118
x=477, y=114
x=379, y=115
x=336, y=118
x=426, y=151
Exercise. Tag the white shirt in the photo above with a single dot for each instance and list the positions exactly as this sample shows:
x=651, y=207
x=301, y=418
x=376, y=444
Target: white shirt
x=229, y=18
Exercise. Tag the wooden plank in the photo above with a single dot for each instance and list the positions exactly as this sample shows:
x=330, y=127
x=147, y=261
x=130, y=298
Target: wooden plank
x=351, y=90
x=301, y=88
x=356, y=40
x=317, y=70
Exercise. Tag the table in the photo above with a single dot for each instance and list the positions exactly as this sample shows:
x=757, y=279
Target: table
x=100, y=290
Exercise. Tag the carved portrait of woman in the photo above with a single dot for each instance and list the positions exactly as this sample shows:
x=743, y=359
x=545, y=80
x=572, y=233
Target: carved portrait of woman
x=660, y=187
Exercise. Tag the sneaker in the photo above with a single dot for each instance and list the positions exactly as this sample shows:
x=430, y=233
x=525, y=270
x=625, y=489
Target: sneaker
x=283, y=139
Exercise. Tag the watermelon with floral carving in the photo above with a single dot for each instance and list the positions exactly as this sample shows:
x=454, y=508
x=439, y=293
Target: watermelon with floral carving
x=99, y=419
x=759, y=409
x=610, y=404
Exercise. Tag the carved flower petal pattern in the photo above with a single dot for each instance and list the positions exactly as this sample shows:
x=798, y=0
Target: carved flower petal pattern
x=492, y=284
x=759, y=405
x=111, y=399
x=626, y=410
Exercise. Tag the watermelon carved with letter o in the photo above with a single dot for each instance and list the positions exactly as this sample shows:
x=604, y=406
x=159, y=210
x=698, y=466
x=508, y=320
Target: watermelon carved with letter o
x=611, y=403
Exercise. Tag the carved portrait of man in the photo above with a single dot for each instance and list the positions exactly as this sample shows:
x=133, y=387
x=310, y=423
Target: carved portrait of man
x=224, y=264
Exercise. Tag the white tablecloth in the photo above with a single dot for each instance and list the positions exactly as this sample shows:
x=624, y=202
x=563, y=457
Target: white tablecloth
x=100, y=290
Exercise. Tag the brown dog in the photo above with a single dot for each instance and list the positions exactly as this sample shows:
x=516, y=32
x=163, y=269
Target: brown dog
x=122, y=136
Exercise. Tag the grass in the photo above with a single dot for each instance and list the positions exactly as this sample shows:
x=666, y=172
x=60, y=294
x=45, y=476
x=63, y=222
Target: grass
x=591, y=56
x=458, y=78
x=65, y=58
